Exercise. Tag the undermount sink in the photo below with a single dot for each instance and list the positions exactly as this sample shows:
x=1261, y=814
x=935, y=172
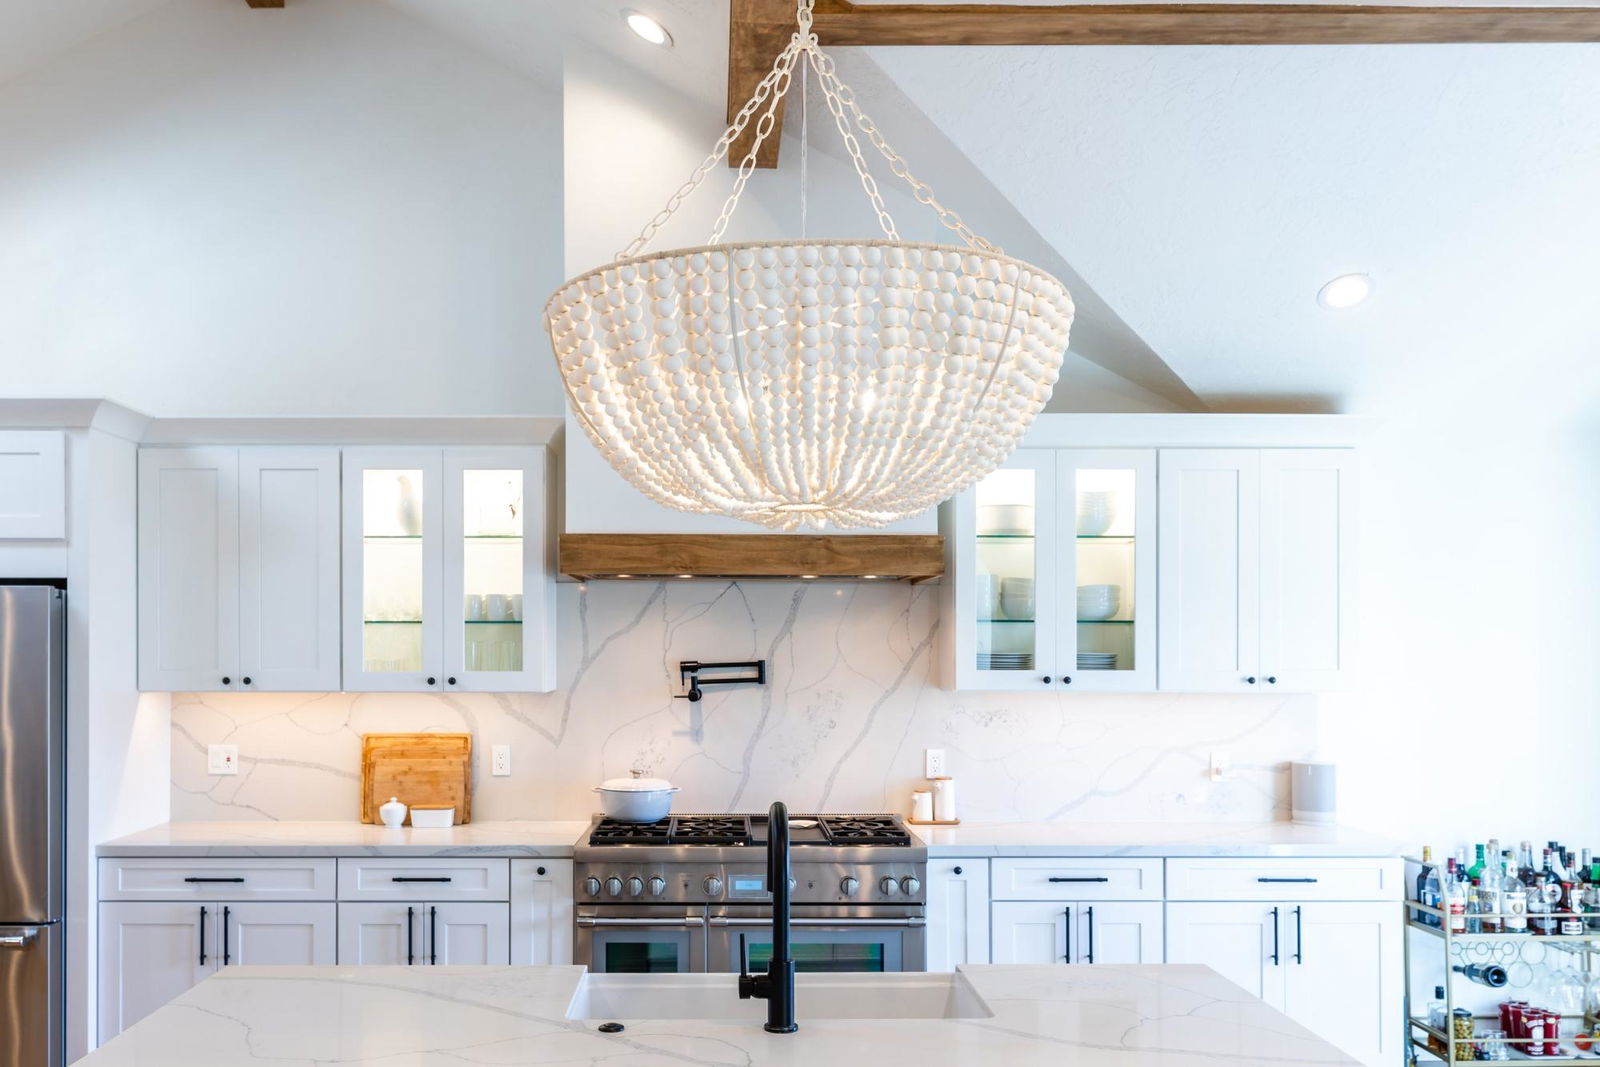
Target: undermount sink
x=605, y=997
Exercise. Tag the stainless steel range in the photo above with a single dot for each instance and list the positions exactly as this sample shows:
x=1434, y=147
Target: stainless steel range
x=689, y=893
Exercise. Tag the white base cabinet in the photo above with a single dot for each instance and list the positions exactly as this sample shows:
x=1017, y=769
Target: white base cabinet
x=1116, y=931
x=424, y=933
x=541, y=912
x=958, y=913
x=150, y=952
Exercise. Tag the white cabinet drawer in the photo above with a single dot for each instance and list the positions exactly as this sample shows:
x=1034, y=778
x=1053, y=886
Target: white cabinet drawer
x=216, y=879
x=1076, y=879
x=1283, y=879
x=439, y=880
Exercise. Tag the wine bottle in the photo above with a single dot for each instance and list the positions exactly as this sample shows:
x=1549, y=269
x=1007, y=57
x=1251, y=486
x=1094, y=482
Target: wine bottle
x=1490, y=974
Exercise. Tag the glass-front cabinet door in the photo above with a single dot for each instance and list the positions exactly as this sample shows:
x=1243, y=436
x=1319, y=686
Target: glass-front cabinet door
x=393, y=630
x=1107, y=568
x=1004, y=581
x=1052, y=583
x=495, y=578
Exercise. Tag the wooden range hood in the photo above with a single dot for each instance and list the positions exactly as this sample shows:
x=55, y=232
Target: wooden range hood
x=770, y=557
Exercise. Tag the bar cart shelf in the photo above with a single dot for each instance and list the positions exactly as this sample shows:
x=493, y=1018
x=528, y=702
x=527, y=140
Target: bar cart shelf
x=1445, y=1047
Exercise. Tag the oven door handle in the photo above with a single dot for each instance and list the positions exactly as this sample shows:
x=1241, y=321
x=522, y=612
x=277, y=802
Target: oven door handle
x=593, y=920
x=718, y=920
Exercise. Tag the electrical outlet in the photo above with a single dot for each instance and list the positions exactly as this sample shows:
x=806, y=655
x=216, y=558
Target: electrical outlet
x=500, y=761
x=222, y=759
x=1218, y=770
x=936, y=766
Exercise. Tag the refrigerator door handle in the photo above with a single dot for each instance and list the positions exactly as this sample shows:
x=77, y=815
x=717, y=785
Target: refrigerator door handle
x=22, y=940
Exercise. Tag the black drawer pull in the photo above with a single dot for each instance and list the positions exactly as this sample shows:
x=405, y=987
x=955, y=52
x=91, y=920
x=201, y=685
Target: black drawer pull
x=401, y=878
x=1097, y=878
x=213, y=879
x=1306, y=881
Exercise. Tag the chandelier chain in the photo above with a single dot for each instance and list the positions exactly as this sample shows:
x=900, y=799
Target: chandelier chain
x=764, y=127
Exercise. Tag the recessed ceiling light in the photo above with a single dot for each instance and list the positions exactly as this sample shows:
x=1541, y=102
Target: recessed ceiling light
x=1345, y=291
x=647, y=28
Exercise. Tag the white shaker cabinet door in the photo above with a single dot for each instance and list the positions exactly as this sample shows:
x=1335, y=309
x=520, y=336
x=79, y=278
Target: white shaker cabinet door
x=1118, y=931
x=385, y=935
x=469, y=934
x=958, y=913
x=297, y=935
x=1242, y=941
x=188, y=569
x=1308, y=553
x=1209, y=552
x=1033, y=932
x=150, y=953
x=289, y=569
x=541, y=912
x=1342, y=974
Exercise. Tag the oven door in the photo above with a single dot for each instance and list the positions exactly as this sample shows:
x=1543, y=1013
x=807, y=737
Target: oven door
x=641, y=939
x=822, y=939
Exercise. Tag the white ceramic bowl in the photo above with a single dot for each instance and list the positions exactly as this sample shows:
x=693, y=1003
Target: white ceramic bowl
x=1012, y=520
x=433, y=818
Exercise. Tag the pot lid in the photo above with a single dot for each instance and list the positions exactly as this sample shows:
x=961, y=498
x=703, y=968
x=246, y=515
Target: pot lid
x=636, y=784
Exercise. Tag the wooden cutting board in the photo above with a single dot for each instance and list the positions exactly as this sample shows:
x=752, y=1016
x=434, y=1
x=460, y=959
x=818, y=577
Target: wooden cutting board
x=422, y=768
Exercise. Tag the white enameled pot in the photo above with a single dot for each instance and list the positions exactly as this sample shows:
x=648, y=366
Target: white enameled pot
x=636, y=799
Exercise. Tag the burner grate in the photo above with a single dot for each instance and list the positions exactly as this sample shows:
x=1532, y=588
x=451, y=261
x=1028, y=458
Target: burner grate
x=710, y=830
x=863, y=830
x=615, y=832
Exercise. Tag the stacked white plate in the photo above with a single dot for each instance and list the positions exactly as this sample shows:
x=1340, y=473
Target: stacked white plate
x=1005, y=661
x=1097, y=661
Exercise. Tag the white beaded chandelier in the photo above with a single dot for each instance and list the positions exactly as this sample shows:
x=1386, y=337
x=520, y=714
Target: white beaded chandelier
x=808, y=383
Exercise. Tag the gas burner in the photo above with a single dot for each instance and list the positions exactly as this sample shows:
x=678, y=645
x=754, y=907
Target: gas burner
x=710, y=830
x=864, y=830
x=615, y=832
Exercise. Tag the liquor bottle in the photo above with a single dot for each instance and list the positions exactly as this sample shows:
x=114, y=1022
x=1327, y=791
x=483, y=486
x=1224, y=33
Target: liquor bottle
x=1474, y=907
x=1583, y=863
x=1429, y=890
x=1514, y=900
x=1591, y=899
x=1553, y=869
x=1455, y=891
x=1540, y=920
x=1491, y=900
x=1475, y=872
x=1571, y=922
x=1525, y=863
x=1437, y=1019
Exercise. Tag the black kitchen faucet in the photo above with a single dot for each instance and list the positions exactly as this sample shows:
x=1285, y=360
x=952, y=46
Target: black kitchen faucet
x=776, y=987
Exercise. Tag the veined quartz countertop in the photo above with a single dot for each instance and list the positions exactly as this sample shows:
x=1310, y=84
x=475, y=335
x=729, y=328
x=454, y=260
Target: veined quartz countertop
x=1103, y=1016
x=1173, y=839
x=552, y=840
x=540, y=840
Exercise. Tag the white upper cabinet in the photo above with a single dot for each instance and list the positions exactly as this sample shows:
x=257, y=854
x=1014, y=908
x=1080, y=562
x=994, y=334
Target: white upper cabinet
x=289, y=569
x=188, y=569
x=1257, y=569
x=447, y=584
x=1051, y=579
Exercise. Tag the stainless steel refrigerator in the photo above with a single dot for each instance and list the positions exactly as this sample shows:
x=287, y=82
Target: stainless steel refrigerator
x=32, y=824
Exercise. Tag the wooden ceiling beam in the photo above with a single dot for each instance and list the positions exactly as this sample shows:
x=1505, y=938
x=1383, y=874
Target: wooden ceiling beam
x=759, y=29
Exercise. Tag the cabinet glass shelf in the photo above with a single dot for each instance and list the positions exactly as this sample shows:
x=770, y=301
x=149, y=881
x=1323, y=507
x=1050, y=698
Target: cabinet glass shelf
x=418, y=537
x=418, y=622
x=1107, y=622
x=1005, y=537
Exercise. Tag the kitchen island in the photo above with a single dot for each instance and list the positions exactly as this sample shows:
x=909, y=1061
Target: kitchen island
x=1102, y=1016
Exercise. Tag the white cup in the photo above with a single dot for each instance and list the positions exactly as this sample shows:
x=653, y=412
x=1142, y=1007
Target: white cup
x=496, y=606
x=472, y=608
x=516, y=606
x=921, y=805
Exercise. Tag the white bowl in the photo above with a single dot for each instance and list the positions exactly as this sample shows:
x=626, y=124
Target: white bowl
x=1011, y=520
x=433, y=819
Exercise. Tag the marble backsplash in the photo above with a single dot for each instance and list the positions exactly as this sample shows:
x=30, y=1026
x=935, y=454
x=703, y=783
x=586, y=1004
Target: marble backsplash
x=851, y=703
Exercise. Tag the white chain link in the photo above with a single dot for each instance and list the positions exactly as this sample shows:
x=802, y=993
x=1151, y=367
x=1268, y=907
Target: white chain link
x=842, y=104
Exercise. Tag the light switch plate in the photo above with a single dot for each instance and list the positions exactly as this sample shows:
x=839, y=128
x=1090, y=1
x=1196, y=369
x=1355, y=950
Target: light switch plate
x=936, y=766
x=500, y=761
x=222, y=759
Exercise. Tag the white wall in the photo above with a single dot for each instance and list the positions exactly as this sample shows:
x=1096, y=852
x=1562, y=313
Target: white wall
x=334, y=209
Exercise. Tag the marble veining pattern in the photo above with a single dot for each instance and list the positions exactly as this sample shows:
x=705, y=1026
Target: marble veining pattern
x=1104, y=1016
x=851, y=704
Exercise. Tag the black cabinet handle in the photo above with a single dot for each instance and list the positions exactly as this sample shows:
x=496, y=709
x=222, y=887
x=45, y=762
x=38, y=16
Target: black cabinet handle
x=227, y=954
x=432, y=681
x=1274, y=937
x=213, y=879
x=450, y=681
x=433, y=935
x=226, y=680
x=1047, y=679
x=1304, y=881
x=539, y=870
x=1250, y=680
x=958, y=870
x=245, y=679
x=1299, y=940
x=1097, y=878
x=407, y=878
x=1067, y=915
x=411, y=937
x=1091, y=934
x=203, y=911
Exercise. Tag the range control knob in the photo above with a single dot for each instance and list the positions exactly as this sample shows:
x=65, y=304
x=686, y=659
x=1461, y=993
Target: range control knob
x=712, y=885
x=614, y=886
x=888, y=887
x=910, y=886
x=848, y=886
x=658, y=886
x=792, y=884
x=635, y=886
x=591, y=886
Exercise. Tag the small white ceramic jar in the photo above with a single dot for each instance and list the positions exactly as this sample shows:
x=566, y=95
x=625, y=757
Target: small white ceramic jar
x=393, y=813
